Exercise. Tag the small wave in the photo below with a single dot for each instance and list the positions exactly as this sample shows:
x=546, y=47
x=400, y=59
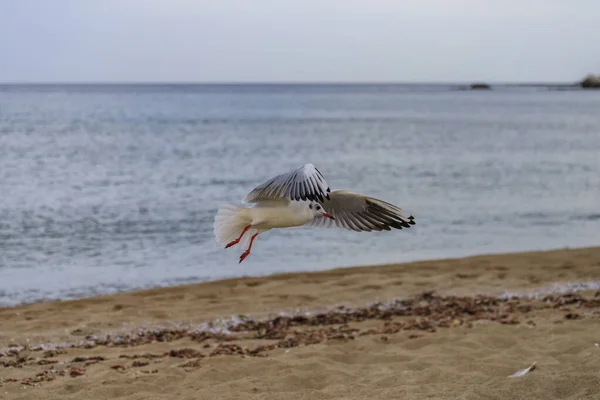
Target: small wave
x=31, y=296
x=588, y=217
x=534, y=215
x=226, y=182
x=425, y=174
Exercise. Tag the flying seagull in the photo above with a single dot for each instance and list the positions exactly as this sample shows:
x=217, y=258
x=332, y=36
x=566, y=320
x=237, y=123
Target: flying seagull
x=302, y=197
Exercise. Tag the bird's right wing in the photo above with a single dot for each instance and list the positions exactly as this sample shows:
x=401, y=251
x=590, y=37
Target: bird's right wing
x=354, y=211
x=304, y=183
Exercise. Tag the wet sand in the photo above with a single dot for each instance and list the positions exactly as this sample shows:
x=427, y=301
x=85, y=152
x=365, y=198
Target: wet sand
x=433, y=329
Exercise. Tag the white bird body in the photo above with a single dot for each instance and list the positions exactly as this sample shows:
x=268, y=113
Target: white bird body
x=303, y=198
x=280, y=214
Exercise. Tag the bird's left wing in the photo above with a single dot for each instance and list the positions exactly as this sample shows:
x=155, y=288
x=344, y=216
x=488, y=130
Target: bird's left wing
x=304, y=183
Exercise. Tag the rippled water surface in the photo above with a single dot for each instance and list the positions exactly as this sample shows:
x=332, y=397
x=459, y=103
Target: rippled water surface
x=108, y=188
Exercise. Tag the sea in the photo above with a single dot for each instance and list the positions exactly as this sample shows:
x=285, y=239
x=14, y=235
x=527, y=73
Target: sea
x=110, y=188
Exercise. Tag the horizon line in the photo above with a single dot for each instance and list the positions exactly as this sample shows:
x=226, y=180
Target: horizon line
x=274, y=83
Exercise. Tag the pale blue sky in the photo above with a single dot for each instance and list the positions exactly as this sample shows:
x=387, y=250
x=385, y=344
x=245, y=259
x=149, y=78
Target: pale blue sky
x=298, y=40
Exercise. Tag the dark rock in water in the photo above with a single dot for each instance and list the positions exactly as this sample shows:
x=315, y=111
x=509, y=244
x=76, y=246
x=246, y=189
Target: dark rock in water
x=591, y=82
x=480, y=86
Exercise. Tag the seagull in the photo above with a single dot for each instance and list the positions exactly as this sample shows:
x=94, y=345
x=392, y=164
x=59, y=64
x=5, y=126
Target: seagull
x=302, y=197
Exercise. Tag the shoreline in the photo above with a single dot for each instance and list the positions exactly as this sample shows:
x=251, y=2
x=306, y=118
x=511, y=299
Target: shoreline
x=280, y=275
x=488, y=274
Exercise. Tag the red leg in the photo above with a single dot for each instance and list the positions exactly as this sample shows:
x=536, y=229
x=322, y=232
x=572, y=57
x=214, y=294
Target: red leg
x=236, y=241
x=247, y=252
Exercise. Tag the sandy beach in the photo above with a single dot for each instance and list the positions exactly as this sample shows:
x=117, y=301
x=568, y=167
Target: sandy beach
x=443, y=329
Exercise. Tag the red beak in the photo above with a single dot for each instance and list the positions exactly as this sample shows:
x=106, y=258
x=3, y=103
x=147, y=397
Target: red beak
x=328, y=215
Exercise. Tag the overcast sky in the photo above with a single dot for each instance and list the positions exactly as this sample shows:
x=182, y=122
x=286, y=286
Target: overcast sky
x=298, y=40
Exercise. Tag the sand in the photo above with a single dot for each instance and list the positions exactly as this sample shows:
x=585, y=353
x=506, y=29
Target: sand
x=431, y=336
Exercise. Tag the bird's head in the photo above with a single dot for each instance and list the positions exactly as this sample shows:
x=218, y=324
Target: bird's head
x=318, y=210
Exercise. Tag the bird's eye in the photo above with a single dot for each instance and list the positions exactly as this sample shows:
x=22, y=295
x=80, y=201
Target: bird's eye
x=310, y=206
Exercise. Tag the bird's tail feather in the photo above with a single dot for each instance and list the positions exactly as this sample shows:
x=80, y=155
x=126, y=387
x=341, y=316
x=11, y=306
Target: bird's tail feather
x=229, y=224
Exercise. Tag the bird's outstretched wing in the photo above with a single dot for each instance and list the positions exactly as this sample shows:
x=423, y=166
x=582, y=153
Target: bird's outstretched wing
x=304, y=183
x=361, y=213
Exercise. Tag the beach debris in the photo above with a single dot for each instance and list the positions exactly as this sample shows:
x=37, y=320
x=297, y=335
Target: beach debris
x=419, y=315
x=74, y=372
x=185, y=353
x=10, y=363
x=154, y=371
x=228, y=349
x=91, y=362
x=523, y=372
x=45, y=361
x=145, y=355
x=53, y=353
x=427, y=312
x=84, y=359
x=137, y=364
x=191, y=364
x=118, y=367
x=47, y=376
